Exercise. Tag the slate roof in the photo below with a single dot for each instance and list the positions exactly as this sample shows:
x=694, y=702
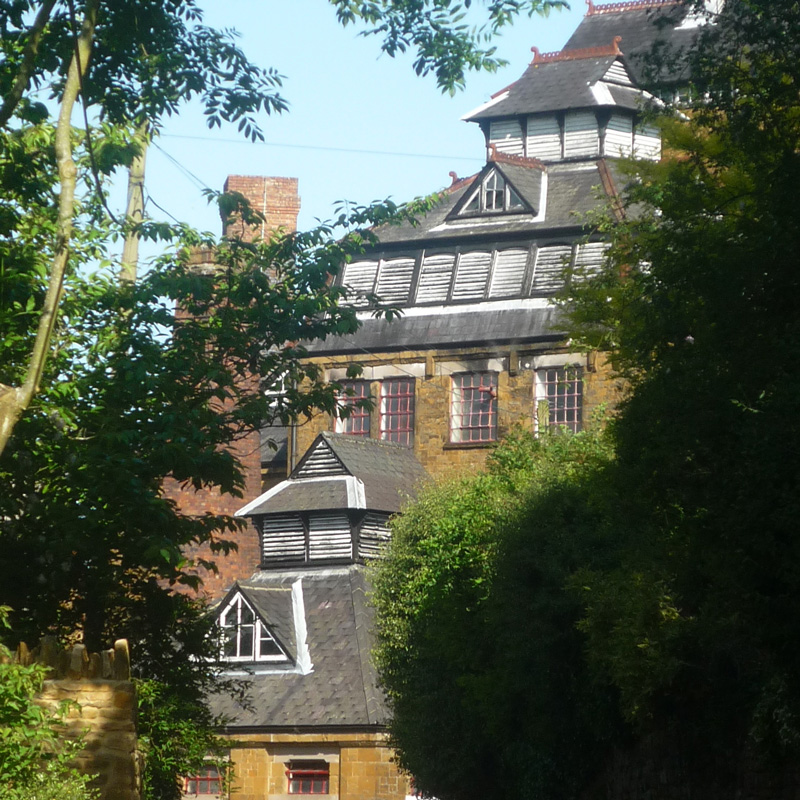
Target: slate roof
x=550, y=86
x=341, y=689
x=492, y=325
x=642, y=27
x=387, y=473
x=571, y=194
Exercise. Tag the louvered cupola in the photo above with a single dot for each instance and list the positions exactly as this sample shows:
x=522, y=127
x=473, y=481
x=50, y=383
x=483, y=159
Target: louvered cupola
x=335, y=506
x=568, y=106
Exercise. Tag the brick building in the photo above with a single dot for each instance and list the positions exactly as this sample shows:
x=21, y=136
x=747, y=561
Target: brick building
x=477, y=350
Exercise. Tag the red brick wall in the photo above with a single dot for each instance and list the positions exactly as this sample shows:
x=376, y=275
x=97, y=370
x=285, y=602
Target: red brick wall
x=275, y=198
x=278, y=200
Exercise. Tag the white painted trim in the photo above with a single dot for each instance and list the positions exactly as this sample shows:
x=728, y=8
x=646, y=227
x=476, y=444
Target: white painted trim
x=412, y=370
x=529, y=303
x=602, y=94
x=245, y=510
x=356, y=497
x=301, y=631
x=488, y=104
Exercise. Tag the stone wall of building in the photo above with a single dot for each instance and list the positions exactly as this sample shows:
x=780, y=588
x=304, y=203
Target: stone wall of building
x=103, y=714
x=433, y=388
x=361, y=765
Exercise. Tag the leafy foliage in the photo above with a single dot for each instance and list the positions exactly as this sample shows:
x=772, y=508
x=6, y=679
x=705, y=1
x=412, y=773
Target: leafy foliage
x=474, y=621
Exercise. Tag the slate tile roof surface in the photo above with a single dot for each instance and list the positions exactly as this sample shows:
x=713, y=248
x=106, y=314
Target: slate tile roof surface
x=550, y=86
x=341, y=689
x=570, y=195
x=641, y=30
x=489, y=326
x=390, y=474
x=274, y=604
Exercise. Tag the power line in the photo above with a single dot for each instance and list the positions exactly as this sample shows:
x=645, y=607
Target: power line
x=355, y=151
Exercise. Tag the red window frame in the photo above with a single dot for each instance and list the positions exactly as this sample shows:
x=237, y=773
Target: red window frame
x=308, y=777
x=562, y=388
x=473, y=412
x=397, y=410
x=207, y=781
x=357, y=422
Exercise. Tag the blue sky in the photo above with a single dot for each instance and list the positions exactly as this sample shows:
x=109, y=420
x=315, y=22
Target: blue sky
x=361, y=126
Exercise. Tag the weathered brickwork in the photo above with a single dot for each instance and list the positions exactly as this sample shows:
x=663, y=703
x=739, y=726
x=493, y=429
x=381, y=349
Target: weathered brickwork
x=103, y=715
x=433, y=396
x=361, y=765
x=277, y=199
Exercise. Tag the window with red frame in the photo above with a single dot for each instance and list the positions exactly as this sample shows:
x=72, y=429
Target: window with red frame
x=357, y=421
x=308, y=777
x=473, y=412
x=205, y=783
x=397, y=410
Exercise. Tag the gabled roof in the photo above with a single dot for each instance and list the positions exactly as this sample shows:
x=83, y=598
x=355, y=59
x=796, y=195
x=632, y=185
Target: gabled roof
x=273, y=604
x=566, y=80
x=340, y=688
x=644, y=26
x=344, y=472
x=523, y=174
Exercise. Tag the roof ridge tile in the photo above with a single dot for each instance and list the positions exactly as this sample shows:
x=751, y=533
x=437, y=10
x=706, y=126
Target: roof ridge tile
x=584, y=52
x=630, y=5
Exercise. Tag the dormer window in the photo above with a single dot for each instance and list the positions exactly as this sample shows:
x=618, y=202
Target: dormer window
x=245, y=636
x=494, y=195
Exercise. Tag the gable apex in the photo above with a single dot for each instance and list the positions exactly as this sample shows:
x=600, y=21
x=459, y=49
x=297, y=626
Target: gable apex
x=319, y=461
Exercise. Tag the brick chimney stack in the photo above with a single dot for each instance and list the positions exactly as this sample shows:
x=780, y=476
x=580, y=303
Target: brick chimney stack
x=277, y=199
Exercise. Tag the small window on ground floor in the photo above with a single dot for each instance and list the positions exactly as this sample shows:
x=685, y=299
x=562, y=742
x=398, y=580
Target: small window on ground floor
x=205, y=783
x=308, y=777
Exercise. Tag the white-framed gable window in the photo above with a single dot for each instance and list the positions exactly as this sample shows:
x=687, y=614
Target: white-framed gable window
x=493, y=196
x=245, y=636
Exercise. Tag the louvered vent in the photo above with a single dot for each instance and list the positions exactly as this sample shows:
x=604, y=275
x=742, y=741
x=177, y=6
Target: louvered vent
x=647, y=142
x=544, y=138
x=581, y=134
x=282, y=539
x=359, y=276
x=619, y=136
x=617, y=73
x=550, y=263
x=373, y=536
x=321, y=462
x=509, y=270
x=506, y=135
x=434, y=280
x=472, y=275
x=589, y=258
x=329, y=536
x=394, y=280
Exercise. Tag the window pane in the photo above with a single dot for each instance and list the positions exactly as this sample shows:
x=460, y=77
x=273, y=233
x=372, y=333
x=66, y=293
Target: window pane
x=397, y=410
x=357, y=422
x=562, y=389
x=473, y=416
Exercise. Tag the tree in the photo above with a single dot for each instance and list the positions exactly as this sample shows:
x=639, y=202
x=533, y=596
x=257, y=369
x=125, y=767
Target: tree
x=105, y=390
x=696, y=308
x=474, y=621
x=674, y=568
x=133, y=63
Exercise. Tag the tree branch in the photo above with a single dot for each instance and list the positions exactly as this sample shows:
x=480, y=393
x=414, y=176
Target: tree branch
x=14, y=403
x=18, y=88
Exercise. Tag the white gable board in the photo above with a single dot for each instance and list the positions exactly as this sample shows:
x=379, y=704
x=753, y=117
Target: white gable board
x=619, y=136
x=329, y=536
x=321, y=461
x=472, y=275
x=283, y=539
x=394, y=280
x=509, y=270
x=550, y=264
